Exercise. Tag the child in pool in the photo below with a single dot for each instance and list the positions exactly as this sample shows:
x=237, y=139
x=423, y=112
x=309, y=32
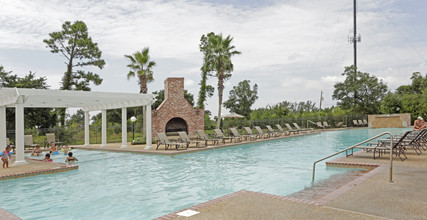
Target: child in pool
x=53, y=148
x=47, y=158
x=70, y=159
x=37, y=151
x=5, y=157
x=65, y=149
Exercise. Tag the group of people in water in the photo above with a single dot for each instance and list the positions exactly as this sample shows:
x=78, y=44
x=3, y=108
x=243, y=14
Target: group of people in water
x=37, y=151
x=54, y=150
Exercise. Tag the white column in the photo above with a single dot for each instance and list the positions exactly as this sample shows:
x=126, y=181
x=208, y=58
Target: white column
x=148, y=128
x=19, y=134
x=104, y=128
x=87, y=141
x=2, y=128
x=124, y=129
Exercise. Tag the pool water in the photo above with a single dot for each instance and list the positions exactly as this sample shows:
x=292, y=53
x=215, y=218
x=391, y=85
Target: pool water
x=111, y=185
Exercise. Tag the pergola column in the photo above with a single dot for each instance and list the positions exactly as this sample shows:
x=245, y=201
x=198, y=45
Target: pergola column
x=19, y=133
x=124, y=129
x=104, y=128
x=2, y=128
x=87, y=142
x=148, y=128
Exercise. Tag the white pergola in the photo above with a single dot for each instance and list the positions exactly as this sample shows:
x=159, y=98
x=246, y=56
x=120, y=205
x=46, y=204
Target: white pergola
x=19, y=99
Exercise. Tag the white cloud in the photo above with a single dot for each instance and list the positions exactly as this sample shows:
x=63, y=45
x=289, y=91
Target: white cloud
x=188, y=82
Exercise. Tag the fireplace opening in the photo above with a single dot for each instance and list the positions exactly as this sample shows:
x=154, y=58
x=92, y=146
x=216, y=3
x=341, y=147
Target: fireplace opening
x=176, y=124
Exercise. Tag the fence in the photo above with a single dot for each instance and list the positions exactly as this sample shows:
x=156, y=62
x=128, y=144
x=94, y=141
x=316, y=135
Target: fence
x=347, y=120
x=75, y=135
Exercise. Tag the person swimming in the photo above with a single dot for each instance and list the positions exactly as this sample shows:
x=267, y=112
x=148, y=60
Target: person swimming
x=70, y=159
x=47, y=158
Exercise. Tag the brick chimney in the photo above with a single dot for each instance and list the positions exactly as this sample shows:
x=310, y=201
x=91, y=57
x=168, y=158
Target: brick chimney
x=174, y=88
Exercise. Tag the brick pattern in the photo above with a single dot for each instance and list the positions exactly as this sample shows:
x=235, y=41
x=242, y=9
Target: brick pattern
x=176, y=106
x=5, y=215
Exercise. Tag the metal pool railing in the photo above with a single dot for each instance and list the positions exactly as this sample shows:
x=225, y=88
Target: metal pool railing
x=356, y=145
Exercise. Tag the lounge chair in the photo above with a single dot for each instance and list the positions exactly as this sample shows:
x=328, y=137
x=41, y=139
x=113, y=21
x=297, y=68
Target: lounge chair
x=184, y=138
x=365, y=122
x=272, y=131
x=300, y=129
x=325, y=123
x=261, y=132
x=355, y=123
x=202, y=135
x=416, y=142
x=320, y=125
x=220, y=135
x=28, y=141
x=360, y=122
x=50, y=138
x=290, y=129
x=237, y=134
x=281, y=130
x=384, y=145
x=340, y=124
x=163, y=140
x=249, y=132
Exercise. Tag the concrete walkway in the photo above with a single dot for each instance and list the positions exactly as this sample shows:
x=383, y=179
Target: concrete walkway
x=368, y=196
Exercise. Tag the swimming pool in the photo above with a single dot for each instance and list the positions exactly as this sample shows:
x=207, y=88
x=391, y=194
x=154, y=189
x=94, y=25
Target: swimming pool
x=133, y=186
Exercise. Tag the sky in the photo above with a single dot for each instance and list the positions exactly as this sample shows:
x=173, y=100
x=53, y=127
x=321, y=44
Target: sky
x=292, y=49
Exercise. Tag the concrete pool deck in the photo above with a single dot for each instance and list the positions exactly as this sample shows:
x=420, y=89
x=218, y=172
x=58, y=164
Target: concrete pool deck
x=366, y=196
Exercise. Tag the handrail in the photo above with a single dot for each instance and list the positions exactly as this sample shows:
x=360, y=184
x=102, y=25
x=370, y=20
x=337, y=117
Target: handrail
x=313, y=123
x=370, y=139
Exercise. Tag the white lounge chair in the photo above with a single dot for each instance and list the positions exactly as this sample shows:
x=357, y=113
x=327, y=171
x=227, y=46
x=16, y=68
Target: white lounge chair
x=272, y=131
x=237, y=134
x=325, y=123
x=290, y=129
x=219, y=134
x=184, y=138
x=300, y=129
x=202, y=135
x=163, y=140
x=261, y=132
x=50, y=138
x=28, y=141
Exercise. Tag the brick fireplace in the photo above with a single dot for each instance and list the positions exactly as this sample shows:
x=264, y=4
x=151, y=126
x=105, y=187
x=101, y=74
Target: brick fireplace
x=176, y=113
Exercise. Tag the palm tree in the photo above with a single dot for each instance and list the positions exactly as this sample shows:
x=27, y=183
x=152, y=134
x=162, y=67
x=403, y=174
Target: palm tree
x=218, y=59
x=141, y=67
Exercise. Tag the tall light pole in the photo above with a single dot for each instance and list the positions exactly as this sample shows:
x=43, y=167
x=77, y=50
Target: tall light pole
x=133, y=119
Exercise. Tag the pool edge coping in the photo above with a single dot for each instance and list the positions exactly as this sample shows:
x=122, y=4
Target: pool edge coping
x=63, y=168
x=6, y=215
x=376, y=168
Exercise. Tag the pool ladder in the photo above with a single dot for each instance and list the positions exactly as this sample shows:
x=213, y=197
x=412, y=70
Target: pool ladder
x=356, y=145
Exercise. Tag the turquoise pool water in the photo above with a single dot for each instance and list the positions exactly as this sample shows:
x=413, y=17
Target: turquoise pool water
x=134, y=186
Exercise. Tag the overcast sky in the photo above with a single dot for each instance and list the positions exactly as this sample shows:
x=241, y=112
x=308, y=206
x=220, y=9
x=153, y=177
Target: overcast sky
x=292, y=49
